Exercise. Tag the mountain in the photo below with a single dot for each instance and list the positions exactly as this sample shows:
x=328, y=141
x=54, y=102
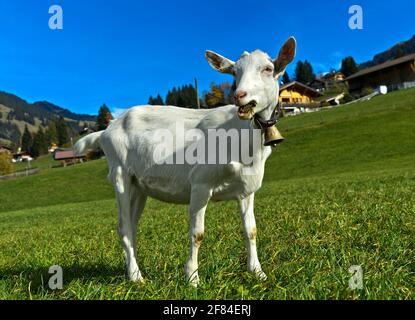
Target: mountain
x=16, y=113
x=398, y=50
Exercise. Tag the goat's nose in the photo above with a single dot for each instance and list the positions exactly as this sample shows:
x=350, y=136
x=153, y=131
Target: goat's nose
x=240, y=94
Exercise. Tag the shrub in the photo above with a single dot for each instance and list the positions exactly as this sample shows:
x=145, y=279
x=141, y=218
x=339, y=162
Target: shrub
x=366, y=91
x=347, y=98
x=6, y=165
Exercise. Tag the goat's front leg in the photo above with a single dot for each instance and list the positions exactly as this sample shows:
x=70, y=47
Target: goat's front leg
x=198, y=202
x=126, y=229
x=247, y=213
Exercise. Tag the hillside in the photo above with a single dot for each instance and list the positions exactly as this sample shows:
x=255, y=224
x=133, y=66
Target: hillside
x=338, y=192
x=15, y=113
x=398, y=50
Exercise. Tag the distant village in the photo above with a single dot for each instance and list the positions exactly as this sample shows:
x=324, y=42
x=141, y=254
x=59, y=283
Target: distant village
x=335, y=88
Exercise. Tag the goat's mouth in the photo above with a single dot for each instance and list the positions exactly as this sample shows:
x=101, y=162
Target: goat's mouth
x=247, y=112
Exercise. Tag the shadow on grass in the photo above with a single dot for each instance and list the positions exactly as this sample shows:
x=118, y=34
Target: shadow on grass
x=38, y=277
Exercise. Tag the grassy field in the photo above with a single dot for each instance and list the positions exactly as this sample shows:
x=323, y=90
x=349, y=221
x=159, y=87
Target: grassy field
x=338, y=192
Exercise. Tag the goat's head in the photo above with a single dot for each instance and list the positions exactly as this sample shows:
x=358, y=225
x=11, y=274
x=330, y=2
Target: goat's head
x=255, y=77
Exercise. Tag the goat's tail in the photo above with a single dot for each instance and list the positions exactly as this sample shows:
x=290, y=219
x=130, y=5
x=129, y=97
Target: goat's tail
x=88, y=143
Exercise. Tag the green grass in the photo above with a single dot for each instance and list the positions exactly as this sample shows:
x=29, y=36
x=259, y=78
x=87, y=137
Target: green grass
x=338, y=192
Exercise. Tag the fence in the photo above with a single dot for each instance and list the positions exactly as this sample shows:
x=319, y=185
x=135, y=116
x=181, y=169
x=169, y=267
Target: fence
x=20, y=174
x=400, y=86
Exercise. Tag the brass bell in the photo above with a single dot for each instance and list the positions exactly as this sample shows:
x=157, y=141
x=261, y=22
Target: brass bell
x=272, y=136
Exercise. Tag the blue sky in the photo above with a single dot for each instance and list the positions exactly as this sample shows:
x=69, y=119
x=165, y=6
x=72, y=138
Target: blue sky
x=121, y=52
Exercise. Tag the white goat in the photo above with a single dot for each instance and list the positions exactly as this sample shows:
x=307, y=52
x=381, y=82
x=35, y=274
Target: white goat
x=130, y=143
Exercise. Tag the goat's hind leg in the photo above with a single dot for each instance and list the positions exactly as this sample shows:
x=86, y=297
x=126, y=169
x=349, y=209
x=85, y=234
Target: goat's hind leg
x=126, y=228
x=197, y=208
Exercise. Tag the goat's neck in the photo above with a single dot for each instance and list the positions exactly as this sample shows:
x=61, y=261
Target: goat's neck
x=267, y=112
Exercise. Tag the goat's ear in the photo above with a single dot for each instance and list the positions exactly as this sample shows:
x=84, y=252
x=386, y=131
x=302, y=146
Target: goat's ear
x=219, y=63
x=286, y=55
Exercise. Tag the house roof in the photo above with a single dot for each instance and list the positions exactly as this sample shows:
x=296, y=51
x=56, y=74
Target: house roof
x=65, y=154
x=387, y=64
x=303, y=86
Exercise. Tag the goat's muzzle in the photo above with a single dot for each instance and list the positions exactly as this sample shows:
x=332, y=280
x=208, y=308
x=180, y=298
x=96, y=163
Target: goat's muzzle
x=247, y=112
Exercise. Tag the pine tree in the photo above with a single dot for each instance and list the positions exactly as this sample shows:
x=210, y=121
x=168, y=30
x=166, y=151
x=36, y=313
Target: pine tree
x=159, y=100
x=39, y=146
x=27, y=140
x=349, y=66
x=62, y=131
x=150, y=100
x=399, y=52
x=51, y=134
x=285, y=78
x=104, y=117
x=304, y=72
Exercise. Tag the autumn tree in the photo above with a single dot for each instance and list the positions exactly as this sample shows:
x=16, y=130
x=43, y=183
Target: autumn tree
x=219, y=95
x=6, y=165
x=104, y=117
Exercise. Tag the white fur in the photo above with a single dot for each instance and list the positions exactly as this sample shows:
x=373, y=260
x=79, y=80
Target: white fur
x=129, y=144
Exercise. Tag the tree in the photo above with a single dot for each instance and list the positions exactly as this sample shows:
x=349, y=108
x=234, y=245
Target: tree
x=157, y=101
x=214, y=97
x=304, y=72
x=51, y=134
x=62, y=131
x=27, y=140
x=184, y=96
x=104, y=117
x=285, y=78
x=6, y=165
x=399, y=52
x=349, y=66
x=39, y=146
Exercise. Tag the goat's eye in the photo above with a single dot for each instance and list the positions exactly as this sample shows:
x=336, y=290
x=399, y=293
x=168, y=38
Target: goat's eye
x=268, y=70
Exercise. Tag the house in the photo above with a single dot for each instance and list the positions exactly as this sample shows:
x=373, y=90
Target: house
x=21, y=156
x=334, y=76
x=395, y=74
x=332, y=79
x=67, y=157
x=52, y=147
x=297, y=93
x=318, y=84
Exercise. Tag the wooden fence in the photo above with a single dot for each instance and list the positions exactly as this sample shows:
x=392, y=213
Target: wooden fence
x=18, y=174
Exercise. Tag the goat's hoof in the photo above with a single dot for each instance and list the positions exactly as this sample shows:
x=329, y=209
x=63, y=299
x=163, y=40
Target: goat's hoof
x=136, y=277
x=194, y=280
x=261, y=275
